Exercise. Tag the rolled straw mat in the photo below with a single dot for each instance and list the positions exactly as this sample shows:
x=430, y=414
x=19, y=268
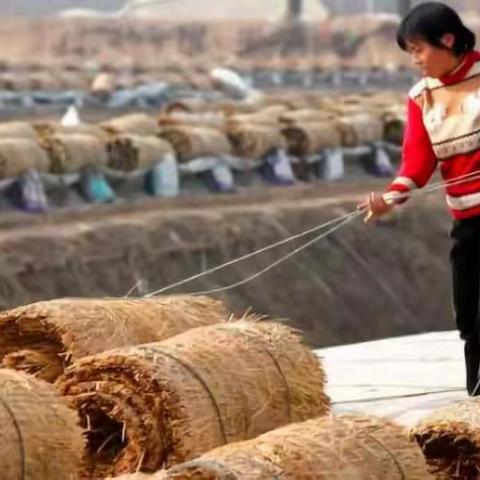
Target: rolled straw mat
x=40, y=436
x=159, y=404
x=132, y=152
x=71, y=153
x=450, y=440
x=341, y=447
x=18, y=155
x=135, y=123
x=192, y=142
x=43, y=338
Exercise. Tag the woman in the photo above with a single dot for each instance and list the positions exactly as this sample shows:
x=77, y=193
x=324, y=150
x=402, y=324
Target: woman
x=443, y=126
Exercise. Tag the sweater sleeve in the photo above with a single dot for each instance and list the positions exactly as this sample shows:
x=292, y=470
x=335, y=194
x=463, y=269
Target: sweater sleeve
x=418, y=158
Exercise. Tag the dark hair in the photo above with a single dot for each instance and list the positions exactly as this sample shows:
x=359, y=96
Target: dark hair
x=430, y=21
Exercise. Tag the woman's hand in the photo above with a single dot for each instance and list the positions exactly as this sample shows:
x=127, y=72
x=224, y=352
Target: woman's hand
x=376, y=207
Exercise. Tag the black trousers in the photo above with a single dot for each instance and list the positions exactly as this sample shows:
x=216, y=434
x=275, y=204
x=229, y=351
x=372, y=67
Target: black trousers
x=465, y=262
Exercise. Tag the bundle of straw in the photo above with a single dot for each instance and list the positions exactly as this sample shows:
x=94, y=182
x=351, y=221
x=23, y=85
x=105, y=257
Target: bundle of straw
x=359, y=129
x=309, y=138
x=18, y=155
x=207, y=119
x=71, y=153
x=306, y=116
x=135, y=123
x=328, y=448
x=255, y=141
x=11, y=130
x=450, y=440
x=174, y=400
x=133, y=152
x=192, y=142
x=43, y=338
x=41, y=439
x=257, y=118
x=394, y=123
x=48, y=129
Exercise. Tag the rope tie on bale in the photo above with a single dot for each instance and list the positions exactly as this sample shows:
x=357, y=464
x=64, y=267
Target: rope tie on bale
x=288, y=399
x=20, y=437
x=401, y=471
x=198, y=377
x=214, y=465
x=220, y=467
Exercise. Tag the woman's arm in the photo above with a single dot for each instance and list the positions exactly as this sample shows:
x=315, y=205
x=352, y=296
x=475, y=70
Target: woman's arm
x=418, y=164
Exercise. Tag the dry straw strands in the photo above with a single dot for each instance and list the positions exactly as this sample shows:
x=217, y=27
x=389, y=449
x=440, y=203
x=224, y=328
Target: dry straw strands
x=328, y=448
x=193, y=142
x=11, y=130
x=41, y=439
x=174, y=400
x=18, y=155
x=71, y=153
x=309, y=138
x=42, y=338
x=450, y=440
x=135, y=123
x=132, y=152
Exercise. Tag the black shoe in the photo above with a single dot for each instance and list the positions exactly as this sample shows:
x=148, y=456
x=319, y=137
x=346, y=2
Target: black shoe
x=472, y=363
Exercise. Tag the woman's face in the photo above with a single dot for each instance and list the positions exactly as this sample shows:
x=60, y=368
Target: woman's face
x=433, y=61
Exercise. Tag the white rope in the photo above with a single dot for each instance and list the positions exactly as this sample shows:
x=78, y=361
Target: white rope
x=339, y=221
x=352, y=216
x=250, y=255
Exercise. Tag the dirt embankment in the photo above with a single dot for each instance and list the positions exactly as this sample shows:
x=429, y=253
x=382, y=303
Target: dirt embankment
x=358, y=284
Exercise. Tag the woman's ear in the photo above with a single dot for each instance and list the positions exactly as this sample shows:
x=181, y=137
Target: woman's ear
x=448, y=40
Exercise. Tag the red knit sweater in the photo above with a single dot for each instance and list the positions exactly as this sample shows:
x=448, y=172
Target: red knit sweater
x=443, y=127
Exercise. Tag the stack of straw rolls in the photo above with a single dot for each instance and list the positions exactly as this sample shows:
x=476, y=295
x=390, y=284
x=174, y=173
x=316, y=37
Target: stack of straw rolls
x=45, y=337
x=134, y=152
x=72, y=153
x=450, y=440
x=135, y=123
x=193, y=142
x=41, y=438
x=174, y=400
x=19, y=155
x=329, y=448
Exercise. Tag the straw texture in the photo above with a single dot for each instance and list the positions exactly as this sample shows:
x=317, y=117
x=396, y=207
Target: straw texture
x=133, y=152
x=135, y=123
x=43, y=338
x=450, y=440
x=328, y=448
x=17, y=130
x=18, y=155
x=71, y=153
x=309, y=138
x=192, y=142
x=39, y=436
x=253, y=141
x=174, y=400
